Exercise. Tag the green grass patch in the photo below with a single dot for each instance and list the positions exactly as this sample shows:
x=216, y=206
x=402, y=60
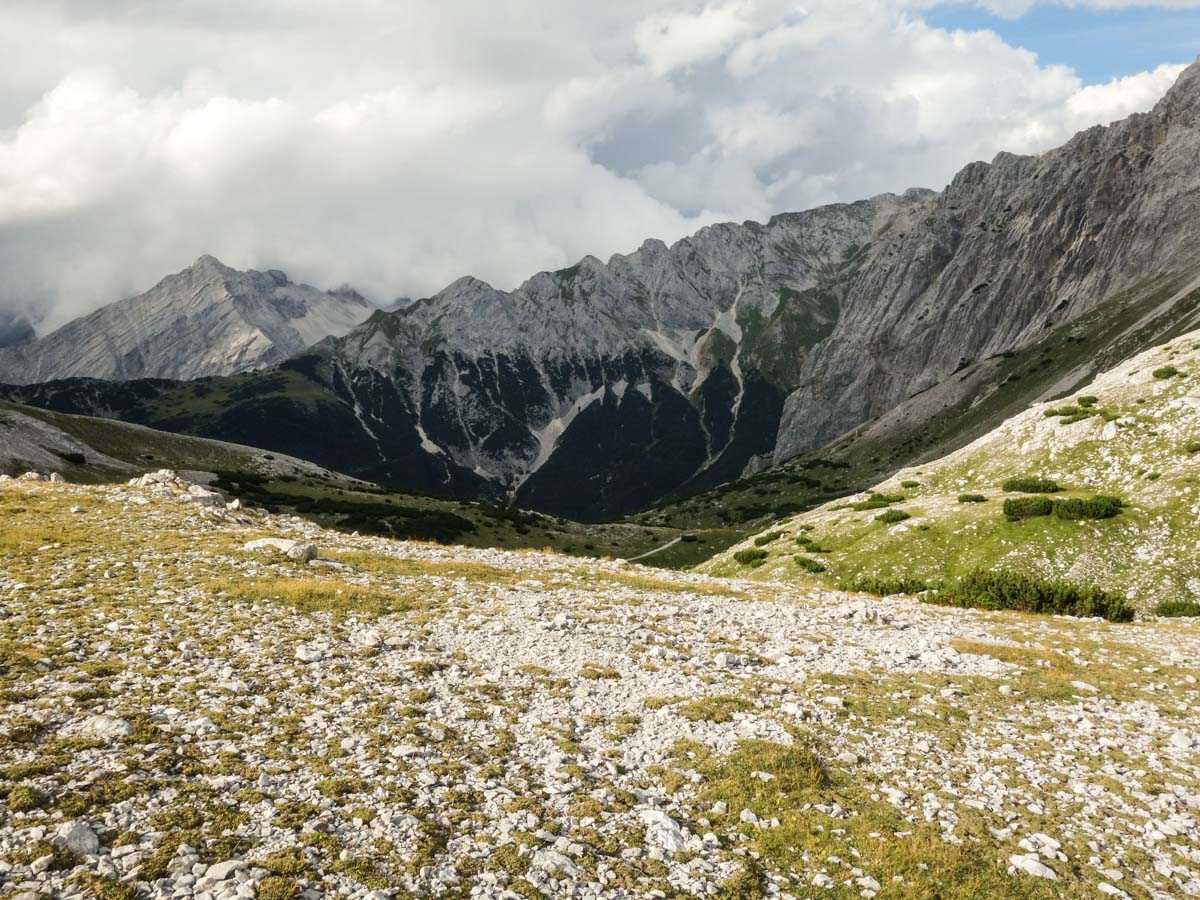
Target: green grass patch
x=309, y=595
x=714, y=709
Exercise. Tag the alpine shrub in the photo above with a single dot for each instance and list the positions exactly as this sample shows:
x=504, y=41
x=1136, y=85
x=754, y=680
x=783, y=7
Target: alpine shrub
x=1098, y=507
x=876, y=500
x=1192, y=447
x=1177, y=608
x=1031, y=486
x=972, y=498
x=764, y=539
x=892, y=516
x=1166, y=372
x=809, y=565
x=985, y=589
x=1017, y=508
x=809, y=545
x=751, y=556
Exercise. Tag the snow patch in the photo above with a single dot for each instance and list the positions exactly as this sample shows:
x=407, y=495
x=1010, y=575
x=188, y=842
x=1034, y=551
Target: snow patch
x=547, y=436
x=426, y=444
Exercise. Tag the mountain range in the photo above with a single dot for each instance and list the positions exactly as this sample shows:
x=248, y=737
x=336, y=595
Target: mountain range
x=208, y=319
x=605, y=387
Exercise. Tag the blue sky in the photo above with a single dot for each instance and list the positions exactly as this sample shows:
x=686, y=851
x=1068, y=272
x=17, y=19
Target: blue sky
x=1098, y=44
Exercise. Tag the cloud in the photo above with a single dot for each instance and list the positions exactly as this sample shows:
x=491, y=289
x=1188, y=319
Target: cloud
x=398, y=145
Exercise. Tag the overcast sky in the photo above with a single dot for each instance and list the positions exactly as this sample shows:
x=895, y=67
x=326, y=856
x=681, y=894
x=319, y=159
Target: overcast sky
x=397, y=145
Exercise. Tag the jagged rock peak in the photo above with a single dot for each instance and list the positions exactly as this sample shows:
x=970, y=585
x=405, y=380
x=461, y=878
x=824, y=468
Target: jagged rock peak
x=208, y=319
x=1184, y=96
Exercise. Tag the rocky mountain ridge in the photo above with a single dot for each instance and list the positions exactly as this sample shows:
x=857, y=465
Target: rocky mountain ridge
x=1008, y=249
x=208, y=319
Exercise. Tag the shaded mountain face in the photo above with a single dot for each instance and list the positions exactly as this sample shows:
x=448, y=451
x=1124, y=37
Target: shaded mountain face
x=208, y=319
x=599, y=389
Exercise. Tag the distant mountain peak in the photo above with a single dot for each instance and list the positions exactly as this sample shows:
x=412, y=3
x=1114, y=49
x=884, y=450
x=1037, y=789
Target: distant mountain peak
x=207, y=319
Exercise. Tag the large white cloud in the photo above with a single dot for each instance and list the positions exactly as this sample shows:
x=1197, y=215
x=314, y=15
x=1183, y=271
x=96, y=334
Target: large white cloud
x=398, y=145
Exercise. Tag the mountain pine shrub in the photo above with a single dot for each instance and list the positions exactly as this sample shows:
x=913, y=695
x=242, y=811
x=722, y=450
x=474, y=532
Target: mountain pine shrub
x=751, y=556
x=1017, y=508
x=972, y=498
x=892, y=516
x=763, y=539
x=1098, y=507
x=1031, y=485
x=809, y=545
x=1192, y=447
x=1177, y=608
x=986, y=589
x=876, y=500
x=1166, y=372
x=809, y=565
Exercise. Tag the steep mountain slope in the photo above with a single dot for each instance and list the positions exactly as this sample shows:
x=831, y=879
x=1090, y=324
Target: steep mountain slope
x=1006, y=251
x=950, y=415
x=597, y=390
x=1132, y=434
x=208, y=319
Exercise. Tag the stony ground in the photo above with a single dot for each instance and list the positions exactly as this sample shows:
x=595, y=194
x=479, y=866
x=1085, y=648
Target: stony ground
x=182, y=716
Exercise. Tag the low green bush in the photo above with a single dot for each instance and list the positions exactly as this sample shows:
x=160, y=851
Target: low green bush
x=751, y=556
x=1017, y=508
x=884, y=587
x=892, y=516
x=985, y=589
x=876, y=500
x=910, y=484
x=1098, y=507
x=1031, y=485
x=1087, y=401
x=809, y=565
x=1166, y=372
x=763, y=539
x=809, y=545
x=1192, y=447
x=972, y=498
x=1173, y=608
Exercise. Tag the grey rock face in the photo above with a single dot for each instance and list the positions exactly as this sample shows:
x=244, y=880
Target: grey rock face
x=697, y=344
x=208, y=319
x=1009, y=249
